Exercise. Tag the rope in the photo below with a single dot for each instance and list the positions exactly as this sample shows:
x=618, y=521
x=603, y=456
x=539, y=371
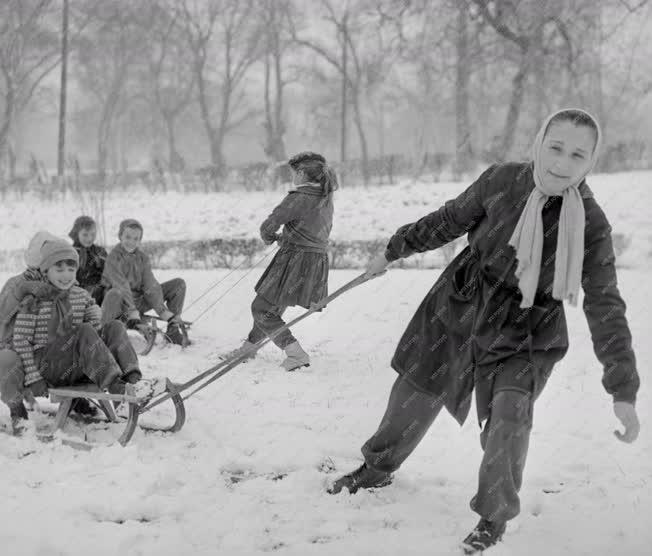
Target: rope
x=225, y=366
x=234, y=285
x=213, y=286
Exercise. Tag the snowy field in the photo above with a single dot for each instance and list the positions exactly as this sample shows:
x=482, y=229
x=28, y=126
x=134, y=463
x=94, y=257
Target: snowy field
x=170, y=495
x=360, y=213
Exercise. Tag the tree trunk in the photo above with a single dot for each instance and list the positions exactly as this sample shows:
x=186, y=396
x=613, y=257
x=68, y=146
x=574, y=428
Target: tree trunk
x=279, y=126
x=174, y=159
x=364, y=152
x=513, y=112
x=5, y=127
x=463, y=148
x=214, y=142
x=61, y=146
x=343, y=97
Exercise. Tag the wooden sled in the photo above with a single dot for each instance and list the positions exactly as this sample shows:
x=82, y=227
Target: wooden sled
x=105, y=401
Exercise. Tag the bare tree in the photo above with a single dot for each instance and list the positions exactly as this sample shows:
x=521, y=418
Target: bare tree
x=277, y=17
x=224, y=37
x=168, y=78
x=106, y=55
x=349, y=23
x=29, y=51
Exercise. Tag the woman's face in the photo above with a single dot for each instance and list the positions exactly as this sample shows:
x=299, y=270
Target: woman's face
x=566, y=154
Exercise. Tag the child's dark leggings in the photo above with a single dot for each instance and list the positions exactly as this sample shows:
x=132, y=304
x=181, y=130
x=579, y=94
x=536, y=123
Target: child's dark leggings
x=267, y=318
x=504, y=439
x=84, y=355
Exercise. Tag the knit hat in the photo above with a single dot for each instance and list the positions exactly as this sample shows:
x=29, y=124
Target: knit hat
x=56, y=251
x=81, y=223
x=129, y=223
x=33, y=252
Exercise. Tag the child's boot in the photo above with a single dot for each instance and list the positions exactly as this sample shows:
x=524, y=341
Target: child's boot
x=132, y=377
x=175, y=335
x=82, y=406
x=247, y=351
x=363, y=477
x=296, y=357
x=486, y=533
x=18, y=415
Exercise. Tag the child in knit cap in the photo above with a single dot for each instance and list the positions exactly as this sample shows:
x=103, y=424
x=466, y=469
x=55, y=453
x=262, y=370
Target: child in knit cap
x=91, y=257
x=29, y=282
x=132, y=289
x=58, y=337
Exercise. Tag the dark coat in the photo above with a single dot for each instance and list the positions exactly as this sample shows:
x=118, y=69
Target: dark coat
x=91, y=264
x=470, y=320
x=298, y=273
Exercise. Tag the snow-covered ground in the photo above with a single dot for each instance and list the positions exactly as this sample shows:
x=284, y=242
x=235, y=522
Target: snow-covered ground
x=169, y=495
x=360, y=213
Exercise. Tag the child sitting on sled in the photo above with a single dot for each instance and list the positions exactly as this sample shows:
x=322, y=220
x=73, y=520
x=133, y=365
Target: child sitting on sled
x=28, y=282
x=298, y=274
x=132, y=289
x=59, y=341
x=494, y=322
x=91, y=257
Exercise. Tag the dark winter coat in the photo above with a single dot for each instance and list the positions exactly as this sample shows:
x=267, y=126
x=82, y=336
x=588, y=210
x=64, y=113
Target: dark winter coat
x=470, y=320
x=298, y=274
x=91, y=264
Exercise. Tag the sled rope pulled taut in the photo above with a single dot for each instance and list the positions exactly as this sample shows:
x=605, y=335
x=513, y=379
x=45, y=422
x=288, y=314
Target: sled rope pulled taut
x=149, y=330
x=142, y=397
x=219, y=370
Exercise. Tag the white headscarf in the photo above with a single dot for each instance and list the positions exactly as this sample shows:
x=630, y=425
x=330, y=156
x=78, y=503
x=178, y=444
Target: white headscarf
x=527, y=238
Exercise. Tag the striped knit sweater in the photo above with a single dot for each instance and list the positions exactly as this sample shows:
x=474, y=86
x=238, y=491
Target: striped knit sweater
x=31, y=328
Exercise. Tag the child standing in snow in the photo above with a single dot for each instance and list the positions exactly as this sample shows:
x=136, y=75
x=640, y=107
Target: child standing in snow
x=298, y=274
x=59, y=340
x=91, y=257
x=132, y=288
x=494, y=321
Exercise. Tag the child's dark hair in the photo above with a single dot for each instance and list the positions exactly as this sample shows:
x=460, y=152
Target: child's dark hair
x=578, y=118
x=130, y=223
x=316, y=170
x=81, y=223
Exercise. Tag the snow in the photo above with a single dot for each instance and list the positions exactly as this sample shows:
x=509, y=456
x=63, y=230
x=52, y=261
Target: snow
x=172, y=494
x=361, y=213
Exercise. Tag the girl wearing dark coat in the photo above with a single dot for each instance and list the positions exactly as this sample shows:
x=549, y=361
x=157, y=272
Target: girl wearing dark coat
x=494, y=321
x=298, y=274
x=91, y=257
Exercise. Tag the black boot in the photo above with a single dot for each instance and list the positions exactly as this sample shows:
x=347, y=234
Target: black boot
x=82, y=406
x=362, y=477
x=117, y=387
x=175, y=335
x=486, y=534
x=132, y=377
x=18, y=414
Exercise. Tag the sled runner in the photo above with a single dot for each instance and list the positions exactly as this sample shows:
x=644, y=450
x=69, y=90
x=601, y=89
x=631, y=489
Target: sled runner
x=136, y=396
